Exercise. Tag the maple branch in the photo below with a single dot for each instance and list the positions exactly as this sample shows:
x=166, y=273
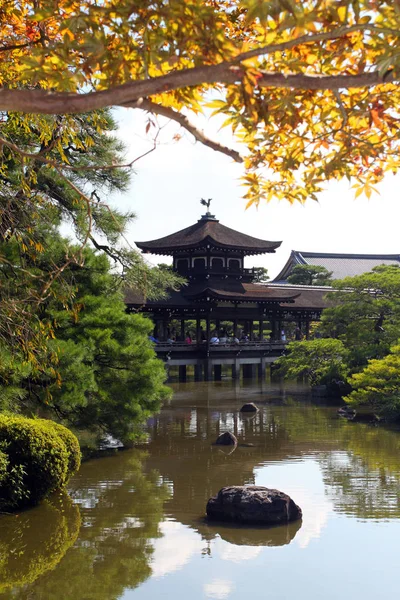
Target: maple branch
x=184, y=122
x=19, y=46
x=48, y=102
x=308, y=39
x=341, y=107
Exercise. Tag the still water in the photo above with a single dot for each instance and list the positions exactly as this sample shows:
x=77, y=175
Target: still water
x=133, y=525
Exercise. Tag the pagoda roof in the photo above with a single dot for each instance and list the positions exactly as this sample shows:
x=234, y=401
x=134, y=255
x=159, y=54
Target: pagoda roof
x=208, y=231
x=238, y=291
x=341, y=265
x=231, y=291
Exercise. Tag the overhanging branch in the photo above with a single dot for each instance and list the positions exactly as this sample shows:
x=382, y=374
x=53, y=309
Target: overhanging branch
x=47, y=102
x=199, y=135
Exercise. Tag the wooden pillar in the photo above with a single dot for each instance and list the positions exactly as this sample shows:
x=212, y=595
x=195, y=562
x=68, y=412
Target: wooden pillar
x=274, y=333
x=217, y=326
x=236, y=369
x=198, y=372
x=198, y=332
x=234, y=327
x=307, y=329
x=217, y=372
x=182, y=372
x=183, y=336
x=164, y=330
x=208, y=332
x=208, y=370
x=261, y=368
x=251, y=330
x=260, y=329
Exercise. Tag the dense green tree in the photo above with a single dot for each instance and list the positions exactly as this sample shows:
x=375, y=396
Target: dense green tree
x=107, y=376
x=36, y=197
x=321, y=361
x=365, y=314
x=378, y=385
x=310, y=275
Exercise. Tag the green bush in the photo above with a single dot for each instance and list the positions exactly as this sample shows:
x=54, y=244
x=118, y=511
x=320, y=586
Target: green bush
x=3, y=466
x=72, y=444
x=40, y=458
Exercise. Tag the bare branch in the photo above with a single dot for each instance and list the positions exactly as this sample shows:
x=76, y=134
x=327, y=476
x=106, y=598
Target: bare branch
x=39, y=156
x=199, y=135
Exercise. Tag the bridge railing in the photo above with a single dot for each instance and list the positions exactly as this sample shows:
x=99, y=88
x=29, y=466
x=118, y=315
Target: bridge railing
x=228, y=347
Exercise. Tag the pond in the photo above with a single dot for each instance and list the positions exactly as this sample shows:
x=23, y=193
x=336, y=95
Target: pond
x=133, y=525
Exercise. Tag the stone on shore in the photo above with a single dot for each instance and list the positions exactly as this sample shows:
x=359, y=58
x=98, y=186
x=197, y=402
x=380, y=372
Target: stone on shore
x=226, y=439
x=249, y=407
x=252, y=505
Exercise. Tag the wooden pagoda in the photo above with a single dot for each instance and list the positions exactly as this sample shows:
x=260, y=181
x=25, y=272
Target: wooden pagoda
x=223, y=299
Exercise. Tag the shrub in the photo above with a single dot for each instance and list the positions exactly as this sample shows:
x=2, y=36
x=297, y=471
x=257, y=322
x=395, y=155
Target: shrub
x=72, y=445
x=41, y=457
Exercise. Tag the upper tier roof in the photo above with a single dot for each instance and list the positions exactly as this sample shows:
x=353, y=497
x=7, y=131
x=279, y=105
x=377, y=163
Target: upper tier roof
x=341, y=265
x=208, y=230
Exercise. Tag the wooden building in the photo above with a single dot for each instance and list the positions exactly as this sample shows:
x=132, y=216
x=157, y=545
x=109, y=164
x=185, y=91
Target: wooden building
x=221, y=289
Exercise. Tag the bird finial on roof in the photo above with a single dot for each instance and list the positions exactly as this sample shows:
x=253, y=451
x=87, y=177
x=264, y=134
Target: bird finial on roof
x=208, y=216
x=206, y=202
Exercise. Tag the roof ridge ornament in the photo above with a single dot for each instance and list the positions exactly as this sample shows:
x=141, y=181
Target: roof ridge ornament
x=208, y=216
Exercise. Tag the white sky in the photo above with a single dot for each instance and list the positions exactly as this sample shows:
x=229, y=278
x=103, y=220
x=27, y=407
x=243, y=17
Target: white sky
x=168, y=184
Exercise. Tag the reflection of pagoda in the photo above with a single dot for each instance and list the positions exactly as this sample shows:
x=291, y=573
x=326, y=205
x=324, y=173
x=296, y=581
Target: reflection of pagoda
x=220, y=289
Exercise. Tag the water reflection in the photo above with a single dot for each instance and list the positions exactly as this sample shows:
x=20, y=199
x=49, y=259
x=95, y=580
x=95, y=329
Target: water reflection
x=143, y=531
x=34, y=541
x=121, y=509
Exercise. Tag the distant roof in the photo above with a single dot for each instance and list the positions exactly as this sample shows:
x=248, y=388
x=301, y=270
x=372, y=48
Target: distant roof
x=208, y=230
x=341, y=265
x=311, y=297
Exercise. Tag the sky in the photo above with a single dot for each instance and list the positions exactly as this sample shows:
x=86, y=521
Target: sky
x=168, y=184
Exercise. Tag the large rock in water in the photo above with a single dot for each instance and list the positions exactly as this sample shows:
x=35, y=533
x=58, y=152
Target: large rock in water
x=253, y=505
x=226, y=439
x=249, y=407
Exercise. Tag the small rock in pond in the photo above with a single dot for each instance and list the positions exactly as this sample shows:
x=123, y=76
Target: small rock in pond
x=347, y=412
x=226, y=439
x=252, y=505
x=249, y=407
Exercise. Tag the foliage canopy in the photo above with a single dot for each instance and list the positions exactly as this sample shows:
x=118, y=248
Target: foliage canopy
x=321, y=361
x=365, y=314
x=378, y=385
x=310, y=88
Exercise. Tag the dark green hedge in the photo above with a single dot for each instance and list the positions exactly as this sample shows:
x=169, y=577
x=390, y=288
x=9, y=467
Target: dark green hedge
x=40, y=457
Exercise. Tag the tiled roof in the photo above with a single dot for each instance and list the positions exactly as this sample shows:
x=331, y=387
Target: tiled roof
x=341, y=265
x=230, y=290
x=235, y=290
x=308, y=296
x=208, y=230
